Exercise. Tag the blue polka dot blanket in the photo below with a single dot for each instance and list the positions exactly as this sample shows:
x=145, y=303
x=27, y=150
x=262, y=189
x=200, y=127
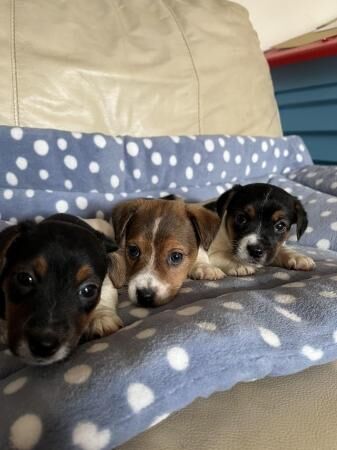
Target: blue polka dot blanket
x=213, y=334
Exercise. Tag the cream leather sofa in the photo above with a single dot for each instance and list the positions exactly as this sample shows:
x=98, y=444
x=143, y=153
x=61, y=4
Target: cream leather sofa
x=156, y=67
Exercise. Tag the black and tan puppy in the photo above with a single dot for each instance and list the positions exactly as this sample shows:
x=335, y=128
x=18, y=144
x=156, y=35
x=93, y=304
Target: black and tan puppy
x=256, y=220
x=54, y=287
x=162, y=239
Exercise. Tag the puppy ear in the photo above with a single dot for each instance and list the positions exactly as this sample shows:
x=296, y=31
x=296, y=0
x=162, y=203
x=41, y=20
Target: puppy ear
x=9, y=235
x=121, y=215
x=108, y=243
x=206, y=224
x=225, y=198
x=301, y=219
x=117, y=269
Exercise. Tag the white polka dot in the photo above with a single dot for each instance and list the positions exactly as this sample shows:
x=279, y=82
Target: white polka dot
x=311, y=174
x=210, y=167
x=209, y=145
x=299, y=157
x=25, y=432
x=118, y=140
x=70, y=162
x=21, y=163
x=99, y=141
x=238, y=159
x=98, y=347
x=76, y=135
x=319, y=181
x=334, y=185
x=328, y=294
x=186, y=290
x=184, y=188
x=78, y=374
x=288, y=314
x=137, y=174
x=277, y=152
x=285, y=299
x=149, y=332
x=269, y=337
x=255, y=157
x=178, y=358
x=189, y=311
x=87, y=436
x=247, y=171
x=274, y=170
x=323, y=244
x=61, y=206
x=175, y=139
x=62, y=144
x=39, y=219
x=139, y=312
x=132, y=149
x=94, y=167
x=8, y=194
x=314, y=354
x=221, y=142
x=288, y=189
x=172, y=185
x=100, y=214
x=147, y=143
x=301, y=147
x=286, y=153
x=281, y=275
x=264, y=164
x=13, y=220
x=264, y=146
x=156, y=158
x=197, y=158
x=68, y=184
x=17, y=133
x=133, y=325
x=189, y=173
x=139, y=396
x=43, y=174
x=333, y=226
x=114, y=181
x=325, y=213
x=312, y=201
x=241, y=140
x=232, y=305
x=163, y=194
x=207, y=326
x=11, y=179
x=223, y=174
x=154, y=179
x=30, y=193
x=335, y=336
x=332, y=200
x=159, y=419
x=220, y=190
x=41, y=147
x=173, y=160
x=309, y=230
x=81, y=203
x=15, y=386
x=295, y=284
x=226, y=156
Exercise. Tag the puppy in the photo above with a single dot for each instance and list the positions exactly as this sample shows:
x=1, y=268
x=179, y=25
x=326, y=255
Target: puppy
x=161, y=239
x=256, y=220
x=55, y=287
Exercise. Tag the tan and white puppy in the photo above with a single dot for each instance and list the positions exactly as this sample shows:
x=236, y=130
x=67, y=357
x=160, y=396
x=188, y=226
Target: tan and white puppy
x=161, y=239
x=256, y=220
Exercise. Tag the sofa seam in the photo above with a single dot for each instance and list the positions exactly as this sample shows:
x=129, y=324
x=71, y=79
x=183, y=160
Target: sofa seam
x=15, y=100
x=194, y=69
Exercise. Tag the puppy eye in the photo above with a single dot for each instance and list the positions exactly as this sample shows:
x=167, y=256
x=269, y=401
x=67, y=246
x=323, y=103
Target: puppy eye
x=25, y=279
x=240, y=219
x=280, y=227
x=175, y=258
x=88, y=292
x=133, y=251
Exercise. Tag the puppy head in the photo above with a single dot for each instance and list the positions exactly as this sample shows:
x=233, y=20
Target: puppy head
x=51, y=279
x=257, y=220
x=161, y=240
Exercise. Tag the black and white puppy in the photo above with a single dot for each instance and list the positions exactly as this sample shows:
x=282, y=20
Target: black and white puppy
x=57, y=283
x=256, y=220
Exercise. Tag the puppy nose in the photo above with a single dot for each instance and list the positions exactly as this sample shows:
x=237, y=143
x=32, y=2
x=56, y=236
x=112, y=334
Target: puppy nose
x=43, y=344
x=145, y=297
x=255, y=251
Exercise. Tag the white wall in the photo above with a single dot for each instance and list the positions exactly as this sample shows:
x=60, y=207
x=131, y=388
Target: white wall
x=279, y=20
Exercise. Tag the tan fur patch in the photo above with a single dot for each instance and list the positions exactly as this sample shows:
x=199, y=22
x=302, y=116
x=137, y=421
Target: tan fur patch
x=250, y=210
x=83, y=273
x=40, y=266
x=278, y=215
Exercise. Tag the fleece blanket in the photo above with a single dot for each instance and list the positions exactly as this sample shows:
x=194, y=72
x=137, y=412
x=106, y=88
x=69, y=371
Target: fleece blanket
x=214, y=334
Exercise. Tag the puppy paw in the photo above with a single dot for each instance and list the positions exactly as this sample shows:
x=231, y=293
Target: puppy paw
x=298, y=262
x=240, y=270
x=103, y=324
x=206, y=272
